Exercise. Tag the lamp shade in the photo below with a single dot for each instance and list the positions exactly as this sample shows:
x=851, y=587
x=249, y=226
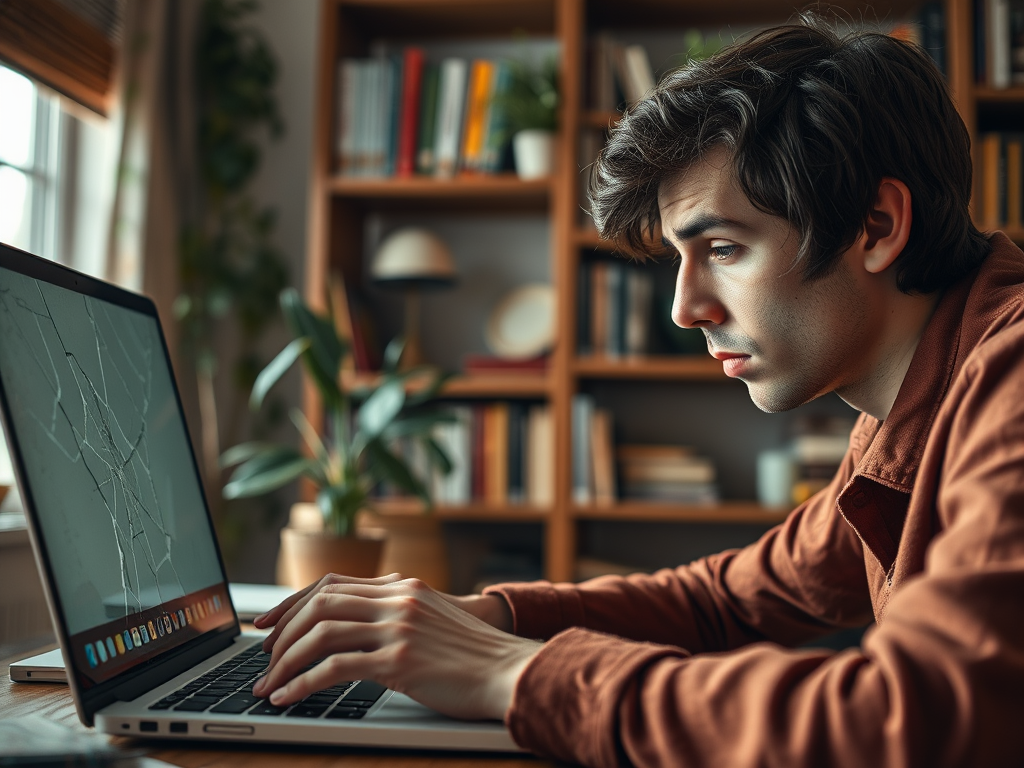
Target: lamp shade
x=413, y=257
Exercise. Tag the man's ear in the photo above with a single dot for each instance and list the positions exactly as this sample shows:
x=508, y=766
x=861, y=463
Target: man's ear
x=887, y=226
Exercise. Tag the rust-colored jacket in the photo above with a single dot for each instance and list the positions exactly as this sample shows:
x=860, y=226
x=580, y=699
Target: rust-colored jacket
x=922, y=529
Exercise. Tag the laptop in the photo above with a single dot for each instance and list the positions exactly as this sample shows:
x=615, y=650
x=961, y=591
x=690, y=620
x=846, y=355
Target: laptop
x=124, y=541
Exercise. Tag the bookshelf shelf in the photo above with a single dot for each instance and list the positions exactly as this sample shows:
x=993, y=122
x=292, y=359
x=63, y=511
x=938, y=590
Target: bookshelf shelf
x=666, y=367
x=726, y=512
x=520, y=385
x=505, y=513
x=999, y=95
x=497, y=188
x=588, y=238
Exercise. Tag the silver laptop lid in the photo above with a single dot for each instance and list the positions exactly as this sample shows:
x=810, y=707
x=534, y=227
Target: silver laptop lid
x=120, y=524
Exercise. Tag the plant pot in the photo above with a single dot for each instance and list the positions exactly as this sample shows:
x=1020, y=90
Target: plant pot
x=308, y=552
x=414, y=546
x=534, y=152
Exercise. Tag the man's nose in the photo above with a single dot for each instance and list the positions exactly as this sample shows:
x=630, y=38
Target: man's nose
x=695, y=305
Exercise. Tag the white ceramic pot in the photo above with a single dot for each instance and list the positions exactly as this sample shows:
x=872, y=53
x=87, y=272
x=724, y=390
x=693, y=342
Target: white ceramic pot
x=534, y=152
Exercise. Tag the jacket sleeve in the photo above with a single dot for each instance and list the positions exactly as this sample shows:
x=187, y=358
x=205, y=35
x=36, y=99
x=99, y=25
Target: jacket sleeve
x=802, y=579
x=937, y=683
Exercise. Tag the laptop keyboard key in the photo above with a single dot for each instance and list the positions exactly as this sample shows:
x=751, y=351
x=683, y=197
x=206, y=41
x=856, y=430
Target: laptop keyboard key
x=302, y=709
x=266, y=708
x=346, y=713
x=365, y=690
x=236, y=705
x=196, y=704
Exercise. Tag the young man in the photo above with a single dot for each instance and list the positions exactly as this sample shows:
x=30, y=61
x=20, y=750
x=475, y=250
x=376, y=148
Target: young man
x=815, y=193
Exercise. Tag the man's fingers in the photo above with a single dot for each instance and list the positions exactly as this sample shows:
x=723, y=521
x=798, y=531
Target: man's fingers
x=283, y=614
x=323, y=646
x=323, y=607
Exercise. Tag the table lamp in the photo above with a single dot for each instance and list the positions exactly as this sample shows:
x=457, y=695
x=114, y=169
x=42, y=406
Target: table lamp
x=411, y=260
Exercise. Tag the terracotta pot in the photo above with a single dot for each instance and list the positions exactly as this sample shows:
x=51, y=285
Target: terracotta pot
x=414, y=546
x=308, y=552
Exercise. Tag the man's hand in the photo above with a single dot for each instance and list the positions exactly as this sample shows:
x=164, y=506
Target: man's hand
x=449, y=653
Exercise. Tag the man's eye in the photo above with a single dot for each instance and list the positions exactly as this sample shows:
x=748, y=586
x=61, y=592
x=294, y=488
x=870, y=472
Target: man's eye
x=723, y=251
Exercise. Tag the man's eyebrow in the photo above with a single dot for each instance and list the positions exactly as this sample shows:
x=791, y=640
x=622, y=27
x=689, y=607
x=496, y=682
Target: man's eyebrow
x=702, y=224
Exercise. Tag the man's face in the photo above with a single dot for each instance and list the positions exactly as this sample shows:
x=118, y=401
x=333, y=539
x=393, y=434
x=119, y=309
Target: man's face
x=790, y=340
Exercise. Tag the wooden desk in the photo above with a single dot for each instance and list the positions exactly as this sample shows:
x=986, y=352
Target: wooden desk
x=54, y=701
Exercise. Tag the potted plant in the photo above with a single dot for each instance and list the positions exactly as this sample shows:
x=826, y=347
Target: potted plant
x=530, y=104
x=345, y=464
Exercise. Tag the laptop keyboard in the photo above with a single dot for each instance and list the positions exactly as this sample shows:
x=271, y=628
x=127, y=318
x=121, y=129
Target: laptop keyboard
x=227, y=690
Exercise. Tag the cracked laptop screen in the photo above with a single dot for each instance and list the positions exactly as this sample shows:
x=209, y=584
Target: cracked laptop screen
x=98, y=428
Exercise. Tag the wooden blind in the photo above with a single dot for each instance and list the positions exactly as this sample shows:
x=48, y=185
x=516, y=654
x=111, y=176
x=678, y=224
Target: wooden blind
x=49, y=42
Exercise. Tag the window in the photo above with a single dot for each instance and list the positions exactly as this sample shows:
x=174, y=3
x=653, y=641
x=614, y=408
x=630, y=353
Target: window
x=56, y=176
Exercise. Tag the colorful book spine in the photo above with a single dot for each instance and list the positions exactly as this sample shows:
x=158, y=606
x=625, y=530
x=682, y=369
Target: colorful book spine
x=428, y=120
x=481, y=83
x=451, y=102
x=412, y=88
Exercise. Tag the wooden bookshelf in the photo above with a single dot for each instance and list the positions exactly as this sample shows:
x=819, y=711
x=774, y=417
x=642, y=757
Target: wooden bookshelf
x=340, y=206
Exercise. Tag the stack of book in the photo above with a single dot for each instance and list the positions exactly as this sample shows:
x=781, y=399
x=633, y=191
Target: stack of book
x=614, y=309
x=401, y=115
x=666, y=473
x=502, y=453
x=1001, y=181
x=818, y=448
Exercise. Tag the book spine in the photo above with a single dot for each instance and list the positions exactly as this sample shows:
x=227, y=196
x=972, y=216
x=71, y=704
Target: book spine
x=516, y=447
x=496, y=133
x=479, y=460
x=582, y=480
x=428, y=119
x=584, y=346
x=999, y=43
x=393, y=113
x=481, y=80
x=638, y=72
x=449, y=117
x=990, y=150
x=412, y=88
x=599, y=306
x=360, y=151
x=1014, y=181
x=347, y=115
x=602, y=457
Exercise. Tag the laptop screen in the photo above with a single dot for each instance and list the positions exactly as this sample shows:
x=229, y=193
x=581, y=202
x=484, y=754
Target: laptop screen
x=95, y=421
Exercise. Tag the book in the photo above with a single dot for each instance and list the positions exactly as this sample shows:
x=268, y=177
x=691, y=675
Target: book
x=496, y=135
x=997, y=15
x=451, y=102
x=517, y=445
x=1017, y=42
x=584, y=343
x=540, y=462
x=682, y=493
x=599, y=307
x=614, y=308
x=1014, y=181
x=582, y=482
x=496, y=456
x=686, y=471
x=637, y=324
x=638, y=72
x=991, y=149
x=478, y=97
x=428, y=119
x=392, y=118
x=642, y=452
x=408, y=131
x=347, y=101
x=474, y=363
x=602, y=457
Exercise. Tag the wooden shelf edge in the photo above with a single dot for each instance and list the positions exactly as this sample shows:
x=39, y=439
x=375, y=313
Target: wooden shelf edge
x=473, y=511
x=471, y=385
x=986, y=95
x=505, y=185
x=731, y=512
x=665, y=367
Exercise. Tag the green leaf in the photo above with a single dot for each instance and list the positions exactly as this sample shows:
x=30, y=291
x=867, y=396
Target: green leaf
x=275, y=370
x=340, y=506
x=419, y=423
x=393, y=354
x=437, y=455
x=309, y=434
x=391, y=468
x=266, y=480
x=380, y=408
x=244, y=452
x=268, y=459
x=326, y=350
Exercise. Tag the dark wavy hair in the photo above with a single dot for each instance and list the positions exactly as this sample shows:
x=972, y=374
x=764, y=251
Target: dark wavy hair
x=813, y=121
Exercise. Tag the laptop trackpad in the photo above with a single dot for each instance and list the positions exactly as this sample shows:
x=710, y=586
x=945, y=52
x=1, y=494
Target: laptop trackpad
x=401, y=707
